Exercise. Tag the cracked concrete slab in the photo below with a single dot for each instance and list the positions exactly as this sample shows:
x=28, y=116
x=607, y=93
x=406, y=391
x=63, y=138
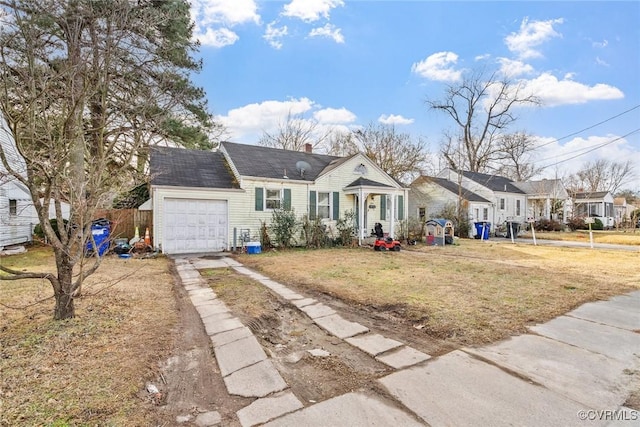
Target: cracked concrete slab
x=351, y=409
x=215, y=307
x=230, y=336
x=257, y=380
x=268, y=408
x=213, y=325
x=317, y=310
x=303, y=302
x=609, y=314
x=403, y=357
x=339, y=327
x=239, y=354
x=373, y=344
x=457, y=389
x=596, y=380
x=613, y=342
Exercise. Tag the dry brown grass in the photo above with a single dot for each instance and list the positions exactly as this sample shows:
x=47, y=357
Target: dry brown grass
x=623, y=237
x=474, y=293
x=88, y=370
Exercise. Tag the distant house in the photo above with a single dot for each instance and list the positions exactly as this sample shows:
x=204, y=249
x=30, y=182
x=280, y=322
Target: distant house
x=429, y=196
x=203, y=201
x=622, y=210
x=508, y=201
x=597, y=204
x=546, y=199
x=18, y=216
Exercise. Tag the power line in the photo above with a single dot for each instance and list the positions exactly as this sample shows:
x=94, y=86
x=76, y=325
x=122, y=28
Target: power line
x=597, y=147
x=590, y=127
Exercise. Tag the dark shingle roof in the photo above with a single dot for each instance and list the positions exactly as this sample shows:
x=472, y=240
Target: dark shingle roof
x=493, y=182
x=453, y=187
x=591, y=195
x=364, y=182
x=265, y=162
x=189, y=168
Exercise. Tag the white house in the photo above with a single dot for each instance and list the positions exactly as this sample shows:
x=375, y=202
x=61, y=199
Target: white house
x=202, y=199
x=546, y=199
x=18, y=216
x=429, y=196
x=597, y=204
x=508, y=201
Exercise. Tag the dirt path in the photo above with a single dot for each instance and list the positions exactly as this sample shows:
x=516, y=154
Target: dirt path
x=315, y=365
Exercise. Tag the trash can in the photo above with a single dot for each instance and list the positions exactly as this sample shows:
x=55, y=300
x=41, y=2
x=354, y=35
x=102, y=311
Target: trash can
x=512, y=227
x=100, y=230
x=482, y=230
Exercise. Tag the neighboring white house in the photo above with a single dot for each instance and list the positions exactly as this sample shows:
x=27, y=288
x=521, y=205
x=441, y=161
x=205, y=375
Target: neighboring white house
x=18, y=216
x=597, y=204
x=623, y=211
x=508, y=201
x=202, y=199
x=429, y=196
x=546, y=199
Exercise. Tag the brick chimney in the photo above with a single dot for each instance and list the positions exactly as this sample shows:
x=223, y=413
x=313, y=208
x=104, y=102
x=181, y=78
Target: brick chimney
x=308, y=148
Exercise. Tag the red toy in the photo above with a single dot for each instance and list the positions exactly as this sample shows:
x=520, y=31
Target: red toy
x=387, y=244
x=384, y=243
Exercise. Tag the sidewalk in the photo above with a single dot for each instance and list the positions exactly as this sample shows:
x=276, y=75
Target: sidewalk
x=566, y=243
x=575, y=370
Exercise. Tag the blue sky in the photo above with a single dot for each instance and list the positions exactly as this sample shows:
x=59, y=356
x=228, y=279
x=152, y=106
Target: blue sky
x=345, y=64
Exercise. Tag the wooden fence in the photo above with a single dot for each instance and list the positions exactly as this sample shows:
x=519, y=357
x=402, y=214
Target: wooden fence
x=125, y=221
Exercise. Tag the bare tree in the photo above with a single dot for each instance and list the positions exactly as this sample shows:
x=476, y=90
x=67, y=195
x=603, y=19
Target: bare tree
x=84, y=87
x=295, y=133
x=398, y=154
x=602, y=175
x=482, y=109
x=514, y=155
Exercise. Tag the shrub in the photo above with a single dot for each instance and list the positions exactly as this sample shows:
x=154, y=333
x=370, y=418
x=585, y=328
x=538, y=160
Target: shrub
x=548, y=225
x=597, y=225
x=39, y=232
x=265, y=240
x=314, y=232
x=577, y=223
x=283, y=225
x=346, y=227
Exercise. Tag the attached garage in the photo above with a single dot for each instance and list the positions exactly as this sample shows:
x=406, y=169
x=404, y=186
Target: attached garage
x=192, y=225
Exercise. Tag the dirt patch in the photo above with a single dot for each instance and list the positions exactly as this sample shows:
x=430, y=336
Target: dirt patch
x=189, y=381
x=316, y=365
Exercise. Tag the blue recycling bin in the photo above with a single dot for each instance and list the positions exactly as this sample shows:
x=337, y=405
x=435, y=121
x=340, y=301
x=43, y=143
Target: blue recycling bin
x=483, y=229
x=100, y=231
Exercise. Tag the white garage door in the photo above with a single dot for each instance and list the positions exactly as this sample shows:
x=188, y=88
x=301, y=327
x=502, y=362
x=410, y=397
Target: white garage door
x=192, y=225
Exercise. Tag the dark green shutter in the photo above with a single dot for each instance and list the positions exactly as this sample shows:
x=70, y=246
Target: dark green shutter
x=400, y=208
x=259, y=199
x=287, y=199
x=383, y=207
x=312, y=205
x=336, y=205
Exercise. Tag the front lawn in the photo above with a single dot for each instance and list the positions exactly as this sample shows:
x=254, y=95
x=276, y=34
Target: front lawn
x=474, y=293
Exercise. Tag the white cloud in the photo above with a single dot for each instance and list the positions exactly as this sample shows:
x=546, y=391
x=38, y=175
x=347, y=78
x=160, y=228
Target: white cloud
x=274, y=35
x=601, y=44
x=250, y=120
x=601, y=62
x=330, y=31
x=553, y=92
x=531, y=35
x=438, y=66
x=214, y=18
x=393, y=119
x=334, y=115
x=514, y=68
x=573, y=154
x=218, y=38
x=310, y=10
